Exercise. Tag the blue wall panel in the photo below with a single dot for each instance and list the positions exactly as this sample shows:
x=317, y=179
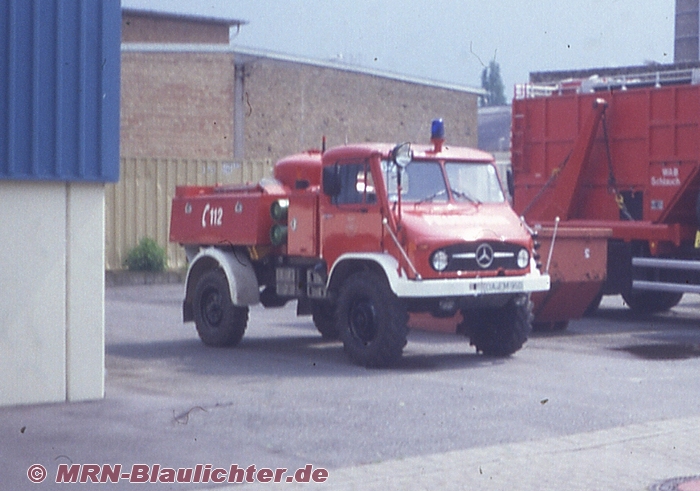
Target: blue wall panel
x=59, y=89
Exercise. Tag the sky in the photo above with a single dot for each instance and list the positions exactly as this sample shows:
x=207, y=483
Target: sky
x=450, y=40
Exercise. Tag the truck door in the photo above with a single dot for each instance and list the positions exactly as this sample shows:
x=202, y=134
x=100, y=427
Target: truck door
x=352, y=222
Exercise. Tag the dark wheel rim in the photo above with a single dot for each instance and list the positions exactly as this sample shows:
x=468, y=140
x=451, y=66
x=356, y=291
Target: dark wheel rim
x=363, y=320
x=212, y=311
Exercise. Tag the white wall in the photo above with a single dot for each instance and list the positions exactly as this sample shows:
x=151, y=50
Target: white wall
x=52, y=288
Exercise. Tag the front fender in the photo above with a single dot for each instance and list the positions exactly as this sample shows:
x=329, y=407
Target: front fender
x=239, y=271
x=385, y=262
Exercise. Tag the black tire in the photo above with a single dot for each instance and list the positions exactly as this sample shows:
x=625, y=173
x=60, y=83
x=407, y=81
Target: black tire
x=650, y=302
x=323, y=315
x=556, y=326
x=219, y=322
x=371, y=320
x=499, y=331
x=593, y=306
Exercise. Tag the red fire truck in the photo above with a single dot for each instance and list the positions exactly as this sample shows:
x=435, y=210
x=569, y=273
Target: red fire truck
x=621, y=154
x=362, y=236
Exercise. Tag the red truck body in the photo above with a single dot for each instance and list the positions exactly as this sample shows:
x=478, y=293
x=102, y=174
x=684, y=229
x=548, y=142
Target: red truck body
x=621, y=154
x=361, y=236
x=247, y=220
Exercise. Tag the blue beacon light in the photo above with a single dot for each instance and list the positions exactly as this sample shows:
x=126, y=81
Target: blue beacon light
x=437, y=129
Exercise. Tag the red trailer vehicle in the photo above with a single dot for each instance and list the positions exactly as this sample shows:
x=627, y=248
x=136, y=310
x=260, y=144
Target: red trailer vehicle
x=618, y=154
x=361, y=236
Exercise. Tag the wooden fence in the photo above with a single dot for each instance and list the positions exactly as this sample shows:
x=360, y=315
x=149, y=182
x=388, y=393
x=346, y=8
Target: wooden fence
x=139, y=204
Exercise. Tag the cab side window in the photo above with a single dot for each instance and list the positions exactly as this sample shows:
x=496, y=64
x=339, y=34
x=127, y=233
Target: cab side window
x=356, y=185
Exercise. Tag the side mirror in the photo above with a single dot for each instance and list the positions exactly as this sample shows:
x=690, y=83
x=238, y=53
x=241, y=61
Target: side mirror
x=331, y=181
x=510, y=182
x=402, y=155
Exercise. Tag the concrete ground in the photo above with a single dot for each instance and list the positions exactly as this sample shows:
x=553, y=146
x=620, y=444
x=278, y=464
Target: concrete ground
x=610, y=404
x=658, y=456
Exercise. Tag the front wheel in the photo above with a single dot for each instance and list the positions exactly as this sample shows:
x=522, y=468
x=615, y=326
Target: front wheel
x=218, y=321
x=651, y=302
x=371, y=320
x=499, y=331
x=594, y=305
x=323, y=315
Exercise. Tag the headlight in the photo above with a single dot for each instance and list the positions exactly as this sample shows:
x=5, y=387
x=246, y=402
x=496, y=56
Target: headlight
x=523, y=258
x=439, y=260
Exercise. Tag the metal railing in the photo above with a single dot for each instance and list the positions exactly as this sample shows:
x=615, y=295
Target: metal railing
x=617, y=82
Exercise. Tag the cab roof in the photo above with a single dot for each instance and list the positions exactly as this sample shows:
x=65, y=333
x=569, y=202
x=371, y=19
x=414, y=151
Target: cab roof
x=421, y=152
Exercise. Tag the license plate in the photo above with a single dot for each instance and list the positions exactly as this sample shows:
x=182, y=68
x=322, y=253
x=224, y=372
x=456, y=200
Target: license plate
x=500, y=287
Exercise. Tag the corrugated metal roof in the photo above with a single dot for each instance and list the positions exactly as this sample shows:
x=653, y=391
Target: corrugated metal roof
x=247, y=55
x=59, y=90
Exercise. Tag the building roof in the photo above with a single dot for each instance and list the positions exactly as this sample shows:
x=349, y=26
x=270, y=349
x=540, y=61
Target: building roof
x=252, y=54
x=249, y=55
x=186, y=17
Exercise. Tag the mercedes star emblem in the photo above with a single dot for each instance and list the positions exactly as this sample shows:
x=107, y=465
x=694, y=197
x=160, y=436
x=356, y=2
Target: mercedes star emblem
x=484, y=256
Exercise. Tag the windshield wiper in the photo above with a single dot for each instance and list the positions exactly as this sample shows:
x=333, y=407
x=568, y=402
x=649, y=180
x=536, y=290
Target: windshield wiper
x=465, y=195
x=432, y=196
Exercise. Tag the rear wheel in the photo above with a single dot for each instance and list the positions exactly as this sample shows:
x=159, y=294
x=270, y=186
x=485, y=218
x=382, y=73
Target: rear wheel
x=499, y=331
x=371, y=320
x=650, y=302
x=218, y=321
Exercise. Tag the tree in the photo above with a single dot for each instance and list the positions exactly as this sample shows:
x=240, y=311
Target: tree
x=492, y=83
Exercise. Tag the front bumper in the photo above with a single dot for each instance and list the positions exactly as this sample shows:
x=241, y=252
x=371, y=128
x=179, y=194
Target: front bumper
x=470, y=287
x=473, y=288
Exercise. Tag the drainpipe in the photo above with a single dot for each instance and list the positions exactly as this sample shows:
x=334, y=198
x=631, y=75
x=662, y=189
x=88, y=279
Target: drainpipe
x=239, y=114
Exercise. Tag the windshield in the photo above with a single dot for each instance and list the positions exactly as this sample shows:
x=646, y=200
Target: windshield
x=420, y=181
x=424, y=181
x=470, y=182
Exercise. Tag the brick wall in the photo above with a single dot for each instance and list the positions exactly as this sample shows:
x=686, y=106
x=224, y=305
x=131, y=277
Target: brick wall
x=181, y=104
x=177, y=105
x=290, y=106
